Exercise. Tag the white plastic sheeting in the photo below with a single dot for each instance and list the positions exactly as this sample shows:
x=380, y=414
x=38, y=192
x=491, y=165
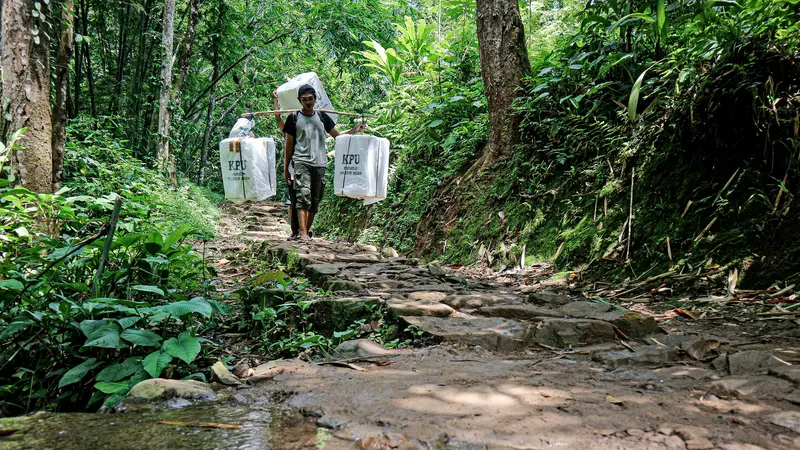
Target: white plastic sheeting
x=361, y=168
x=242, y=127
x=248, y=168
x=287, y=93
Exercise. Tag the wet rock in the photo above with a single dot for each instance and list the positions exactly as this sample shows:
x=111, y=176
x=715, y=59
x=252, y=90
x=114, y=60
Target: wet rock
x=527, y=312
x=221, y=374
x=157, y=389
x=331, y=422
x=270, y=370
x=788, y=373
x=786, y=419
x=752, y=361
x=756, y=387
x=565, y=332
x=318, y=272
x=642, y=356
x=242, y=370
x=426, y=296
x=584, y=309
x=547, y=298
x=361, y=347
x=343, y=286
x=475, y=301
x=489, y=333
x=403, y=307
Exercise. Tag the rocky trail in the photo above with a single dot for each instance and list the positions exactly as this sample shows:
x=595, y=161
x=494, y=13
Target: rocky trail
x=508, y=361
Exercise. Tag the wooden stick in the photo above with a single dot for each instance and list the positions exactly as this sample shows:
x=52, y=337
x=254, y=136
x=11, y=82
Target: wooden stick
x=289, y=111
x=112, y=226
x=705, y=230
x=669, y=249
x=685, y=210
x=630, y=215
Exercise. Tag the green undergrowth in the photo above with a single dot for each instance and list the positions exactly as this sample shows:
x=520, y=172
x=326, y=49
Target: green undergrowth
x=286, y=315
x=73, y=337
x=688, y=104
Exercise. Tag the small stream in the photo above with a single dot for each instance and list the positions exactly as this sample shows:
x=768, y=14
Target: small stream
x=261, y=428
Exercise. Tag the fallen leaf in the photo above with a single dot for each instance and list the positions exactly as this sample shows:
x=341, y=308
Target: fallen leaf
x=626, y=345
x=230, y=426
x=686, y=313
x=614, y=400
x=656, y=341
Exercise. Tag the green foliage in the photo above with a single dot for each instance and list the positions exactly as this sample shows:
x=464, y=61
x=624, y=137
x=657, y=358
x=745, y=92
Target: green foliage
x=66, y=340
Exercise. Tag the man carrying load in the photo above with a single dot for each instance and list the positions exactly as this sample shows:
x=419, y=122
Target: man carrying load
x=305, y=146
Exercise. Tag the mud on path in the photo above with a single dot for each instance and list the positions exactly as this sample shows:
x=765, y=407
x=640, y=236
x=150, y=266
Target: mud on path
x=517, y=366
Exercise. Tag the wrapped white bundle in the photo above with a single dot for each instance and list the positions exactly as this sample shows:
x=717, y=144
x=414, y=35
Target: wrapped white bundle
x=361, y=168
x=287, y=93
x=248, y=168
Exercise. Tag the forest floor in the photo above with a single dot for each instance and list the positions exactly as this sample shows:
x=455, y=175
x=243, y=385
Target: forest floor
x=507, y=360
x=518, y=360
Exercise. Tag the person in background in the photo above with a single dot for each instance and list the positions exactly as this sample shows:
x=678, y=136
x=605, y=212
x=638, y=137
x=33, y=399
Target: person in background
x=305, y=146
x=289, y=196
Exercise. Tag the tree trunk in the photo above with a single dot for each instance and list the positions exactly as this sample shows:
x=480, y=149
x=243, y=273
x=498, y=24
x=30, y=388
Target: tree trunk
x=163, y=150
x=65, y=47
x=76, y=95
x=214, y=74
x=88, y=52
x=26, y=91
x=504, y=61
x=122, y=53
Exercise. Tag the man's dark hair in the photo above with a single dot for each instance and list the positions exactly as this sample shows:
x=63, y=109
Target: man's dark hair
x=306, y=89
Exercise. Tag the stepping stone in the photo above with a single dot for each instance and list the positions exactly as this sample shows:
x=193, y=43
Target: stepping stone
x=527, y=312
x=430, y=287
x=755, y=387
x=547, y=298
x=317, y=272
x=405, y=307
x=474, y=301
x=338, y=285
x=566, y=332
x=386, y=284
x=429, y=296
x=580, y=310
x=642, y=356
x=788, y=373
x=489, y=333
x=156, y=389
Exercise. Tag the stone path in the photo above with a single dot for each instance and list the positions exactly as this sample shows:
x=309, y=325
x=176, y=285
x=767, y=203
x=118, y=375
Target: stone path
x=612, y=377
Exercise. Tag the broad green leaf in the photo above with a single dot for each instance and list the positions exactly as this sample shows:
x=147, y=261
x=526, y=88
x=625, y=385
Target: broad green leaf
x=11, y=285
x=269, y=276
x=22, y=232
x=153, y=242
x=118, y=371
x=146, y=288
x=661, y=21
x=156, y=362
x=108, y=387
x=90, y=326
x=142, y=338
x=435, y=123
x=633, y=101
x=77, y=373
x=174, y=237
x=196, y=305
x=105, y=337
x=127, y=322
x=185, y=347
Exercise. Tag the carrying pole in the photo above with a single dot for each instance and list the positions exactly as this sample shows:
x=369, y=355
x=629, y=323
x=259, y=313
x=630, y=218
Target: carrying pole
x=289, y=111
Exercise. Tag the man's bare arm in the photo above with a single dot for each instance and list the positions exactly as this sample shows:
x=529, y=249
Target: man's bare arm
x=287, y=157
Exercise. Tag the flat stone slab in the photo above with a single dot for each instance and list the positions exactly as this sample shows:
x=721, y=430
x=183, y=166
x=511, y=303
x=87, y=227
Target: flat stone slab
x=753, y=361
x=649, y=355
x=290, y=367
x=405, y=307
x=489, y=333
x=786, y=419
x=695, y=373
x=756, y=387
x=475, y=301
x=581, y=310
x=788, y=373
x=318, y=272
x=430, y=288
x=566, y=332
x=532, y=313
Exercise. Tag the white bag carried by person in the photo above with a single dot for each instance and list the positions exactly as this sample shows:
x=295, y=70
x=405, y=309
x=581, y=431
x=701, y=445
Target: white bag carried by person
x=287, y=93
x=242, y=128
x=248, y=168
x=361, y=168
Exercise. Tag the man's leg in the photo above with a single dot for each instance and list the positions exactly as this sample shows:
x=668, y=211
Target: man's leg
x=302, y=191
x=317, y=190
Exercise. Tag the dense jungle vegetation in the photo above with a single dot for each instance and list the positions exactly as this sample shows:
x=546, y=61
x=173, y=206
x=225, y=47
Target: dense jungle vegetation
x=654, y=136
